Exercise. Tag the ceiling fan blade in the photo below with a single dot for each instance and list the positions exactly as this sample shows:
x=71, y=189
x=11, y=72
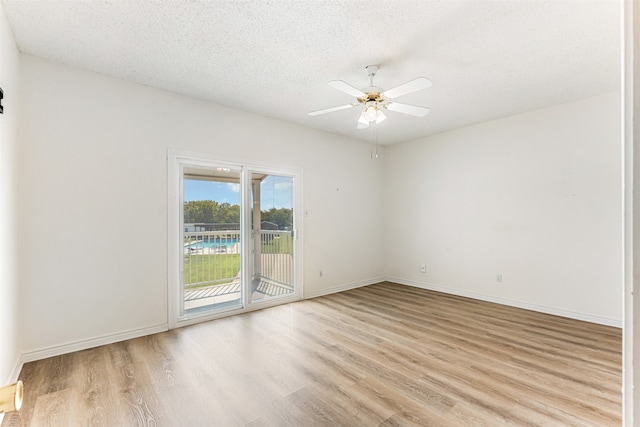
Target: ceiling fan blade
x=408, y=109
x=347, y=88
x=412, y=86
x=332, y=109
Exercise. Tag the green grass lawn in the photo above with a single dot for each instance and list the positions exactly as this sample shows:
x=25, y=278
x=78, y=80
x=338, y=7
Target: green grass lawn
x=282, y=245
x=206, y=270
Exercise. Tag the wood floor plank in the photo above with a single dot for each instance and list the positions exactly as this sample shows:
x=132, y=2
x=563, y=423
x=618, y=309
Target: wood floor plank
x=381, y=355
x=52, y=409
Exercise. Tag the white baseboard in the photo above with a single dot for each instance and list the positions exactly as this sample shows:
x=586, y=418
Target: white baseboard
x=44, y=353
x=57, y=350
x=519, y=304
x=344, y=287
x=15, y=372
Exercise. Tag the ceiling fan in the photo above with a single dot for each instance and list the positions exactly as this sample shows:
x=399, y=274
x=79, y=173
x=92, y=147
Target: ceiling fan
x=375, y=99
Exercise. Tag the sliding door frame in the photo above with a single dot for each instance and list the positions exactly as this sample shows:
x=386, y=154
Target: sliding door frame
x=176, y=158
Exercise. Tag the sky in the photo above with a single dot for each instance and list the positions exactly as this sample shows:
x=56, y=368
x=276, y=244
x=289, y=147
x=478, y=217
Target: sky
x=275, y=192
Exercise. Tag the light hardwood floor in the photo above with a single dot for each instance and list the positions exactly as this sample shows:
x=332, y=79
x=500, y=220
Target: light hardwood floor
x=382, y=355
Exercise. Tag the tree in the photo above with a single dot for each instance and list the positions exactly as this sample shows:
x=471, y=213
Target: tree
x=283, y=217
x=212, y=212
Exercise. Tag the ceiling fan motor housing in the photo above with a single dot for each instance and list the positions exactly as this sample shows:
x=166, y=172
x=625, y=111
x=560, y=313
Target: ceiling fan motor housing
x=374, y=93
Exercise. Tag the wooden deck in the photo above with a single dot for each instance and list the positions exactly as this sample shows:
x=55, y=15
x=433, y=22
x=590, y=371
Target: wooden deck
x=217, y=294
x=212, y=291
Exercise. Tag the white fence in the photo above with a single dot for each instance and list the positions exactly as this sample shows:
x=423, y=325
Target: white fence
x=212, y=257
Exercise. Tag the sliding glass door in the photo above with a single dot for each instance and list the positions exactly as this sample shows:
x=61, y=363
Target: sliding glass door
x=211, y=240
x=272, y=236
x=236, y=247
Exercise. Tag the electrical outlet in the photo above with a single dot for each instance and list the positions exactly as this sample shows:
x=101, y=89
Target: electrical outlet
x=423, y=268
x=319, y=273
x=499, y=278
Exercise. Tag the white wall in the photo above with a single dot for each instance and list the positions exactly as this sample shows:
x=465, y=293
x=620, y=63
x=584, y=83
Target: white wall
x=9, y=346
x=534, y=197
x=93, y=199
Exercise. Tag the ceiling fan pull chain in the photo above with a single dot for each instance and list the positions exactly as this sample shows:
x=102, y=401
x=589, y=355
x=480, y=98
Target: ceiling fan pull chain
x=374, y=139
x=371, y=125
x=376, y=132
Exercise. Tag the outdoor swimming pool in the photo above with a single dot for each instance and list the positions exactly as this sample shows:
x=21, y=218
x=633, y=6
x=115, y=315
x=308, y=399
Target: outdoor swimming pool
x=214, y=243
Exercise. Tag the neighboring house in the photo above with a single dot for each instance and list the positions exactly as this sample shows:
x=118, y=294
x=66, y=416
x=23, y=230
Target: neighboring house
x=194, y=228
x=267, y=225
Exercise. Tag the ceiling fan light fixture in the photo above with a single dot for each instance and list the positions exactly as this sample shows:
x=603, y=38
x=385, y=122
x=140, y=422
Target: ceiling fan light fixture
x=371, y=112
x=362, y=121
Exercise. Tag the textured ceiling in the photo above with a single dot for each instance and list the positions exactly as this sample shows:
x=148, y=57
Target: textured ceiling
x=486, y=59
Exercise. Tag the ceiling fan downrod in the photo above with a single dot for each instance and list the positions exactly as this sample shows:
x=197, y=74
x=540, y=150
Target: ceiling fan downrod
x=371, y=72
